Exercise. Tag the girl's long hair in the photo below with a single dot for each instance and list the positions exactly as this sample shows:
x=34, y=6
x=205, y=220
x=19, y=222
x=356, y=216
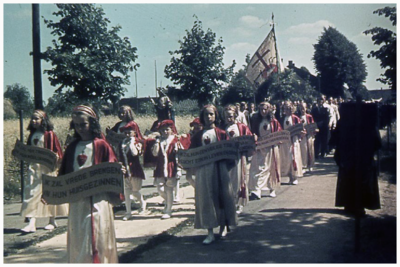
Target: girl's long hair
x=46, y=124
x=217, y=116
x=131, y=114
x=264, y=103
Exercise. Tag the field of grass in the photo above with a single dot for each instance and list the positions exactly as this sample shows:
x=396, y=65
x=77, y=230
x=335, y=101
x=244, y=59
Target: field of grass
x=11, y=132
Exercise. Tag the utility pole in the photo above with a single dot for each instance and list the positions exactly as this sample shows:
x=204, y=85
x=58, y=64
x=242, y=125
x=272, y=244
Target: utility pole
x=155, y=69
x=137, y=99
x=37, y=70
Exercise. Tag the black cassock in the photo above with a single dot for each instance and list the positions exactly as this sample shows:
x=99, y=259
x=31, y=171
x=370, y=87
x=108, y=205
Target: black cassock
x=358, y=140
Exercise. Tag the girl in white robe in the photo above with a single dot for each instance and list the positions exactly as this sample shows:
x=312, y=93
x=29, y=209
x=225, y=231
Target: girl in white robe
x=91, y=232
x=41, y=135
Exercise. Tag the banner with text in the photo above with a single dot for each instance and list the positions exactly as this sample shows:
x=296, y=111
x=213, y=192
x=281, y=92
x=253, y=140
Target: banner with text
x=311, y=128
x=203, y=155
x=295, y=129
x=104, y=177
x=246, y=142
x=114, y=138
x=273, y=139
x=34, y=154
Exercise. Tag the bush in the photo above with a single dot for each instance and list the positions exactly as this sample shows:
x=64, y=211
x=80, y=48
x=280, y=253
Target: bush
x=186, y=107
x=8, y=111
x=147, y=108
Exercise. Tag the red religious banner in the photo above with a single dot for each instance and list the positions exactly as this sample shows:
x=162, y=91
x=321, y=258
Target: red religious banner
x=265, y=61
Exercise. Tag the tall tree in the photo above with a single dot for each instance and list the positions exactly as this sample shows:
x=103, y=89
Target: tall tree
x=198, y=66
x=387, y=52
x=338, y=61
x=20, y=98
x=88, y=60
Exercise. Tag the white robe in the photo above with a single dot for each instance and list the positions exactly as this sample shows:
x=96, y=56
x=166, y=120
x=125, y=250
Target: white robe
x=214, y=196
x=307, y=148
x=32, y=205
x=265, y=166
x=289, y=152
x=79, y=239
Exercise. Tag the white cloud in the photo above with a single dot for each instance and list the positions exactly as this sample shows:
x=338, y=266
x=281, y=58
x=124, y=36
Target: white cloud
x=252, y=21
x=238, y=52
x=308, y=29
x=242, y=32
x=301, y=40
x=242, y=47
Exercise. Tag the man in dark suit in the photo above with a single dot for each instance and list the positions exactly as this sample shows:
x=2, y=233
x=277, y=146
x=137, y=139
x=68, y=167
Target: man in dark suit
x=320, y=114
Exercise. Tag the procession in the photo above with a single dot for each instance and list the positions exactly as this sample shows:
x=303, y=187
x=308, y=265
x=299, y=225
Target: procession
x=235, y=155
x=223, y=183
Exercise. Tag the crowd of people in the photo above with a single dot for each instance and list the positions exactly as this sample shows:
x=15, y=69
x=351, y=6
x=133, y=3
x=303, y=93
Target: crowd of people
x=222, y=188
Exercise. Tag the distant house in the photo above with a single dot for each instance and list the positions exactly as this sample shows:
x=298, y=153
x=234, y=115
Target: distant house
x=386, y=95
x=136, y=103
x=304, y=74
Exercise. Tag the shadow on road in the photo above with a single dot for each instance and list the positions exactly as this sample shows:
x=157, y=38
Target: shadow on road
x=282, y=236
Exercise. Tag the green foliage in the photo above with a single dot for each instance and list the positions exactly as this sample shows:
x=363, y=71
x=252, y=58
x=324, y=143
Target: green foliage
x=146, y=108
x=8, y=111
x=12, y=178
x=338, y=61
x=20, y=98
x=239, y=88
x=386, y=39
x=88, y=60
x=198, y=66
x=186, y=107
x=287, y=86
x=62, y=104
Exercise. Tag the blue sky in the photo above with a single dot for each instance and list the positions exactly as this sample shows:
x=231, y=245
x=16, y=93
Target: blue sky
x=155, y=29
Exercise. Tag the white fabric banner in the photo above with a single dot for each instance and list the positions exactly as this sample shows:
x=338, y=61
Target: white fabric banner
x=34, y=154
x=272, y=139
x=203, y=155
x=104, y=177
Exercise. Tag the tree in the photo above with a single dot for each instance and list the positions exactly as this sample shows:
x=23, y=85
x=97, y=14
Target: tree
x=88, y=60
x=287, y=86
x=20, y=97
x=60, y=105
x=387, y=52
x=239, y=88
x=198, y=66
x=338, y=61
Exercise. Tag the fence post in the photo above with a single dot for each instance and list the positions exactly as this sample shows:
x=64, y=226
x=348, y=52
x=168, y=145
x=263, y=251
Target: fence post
x=21, y=127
